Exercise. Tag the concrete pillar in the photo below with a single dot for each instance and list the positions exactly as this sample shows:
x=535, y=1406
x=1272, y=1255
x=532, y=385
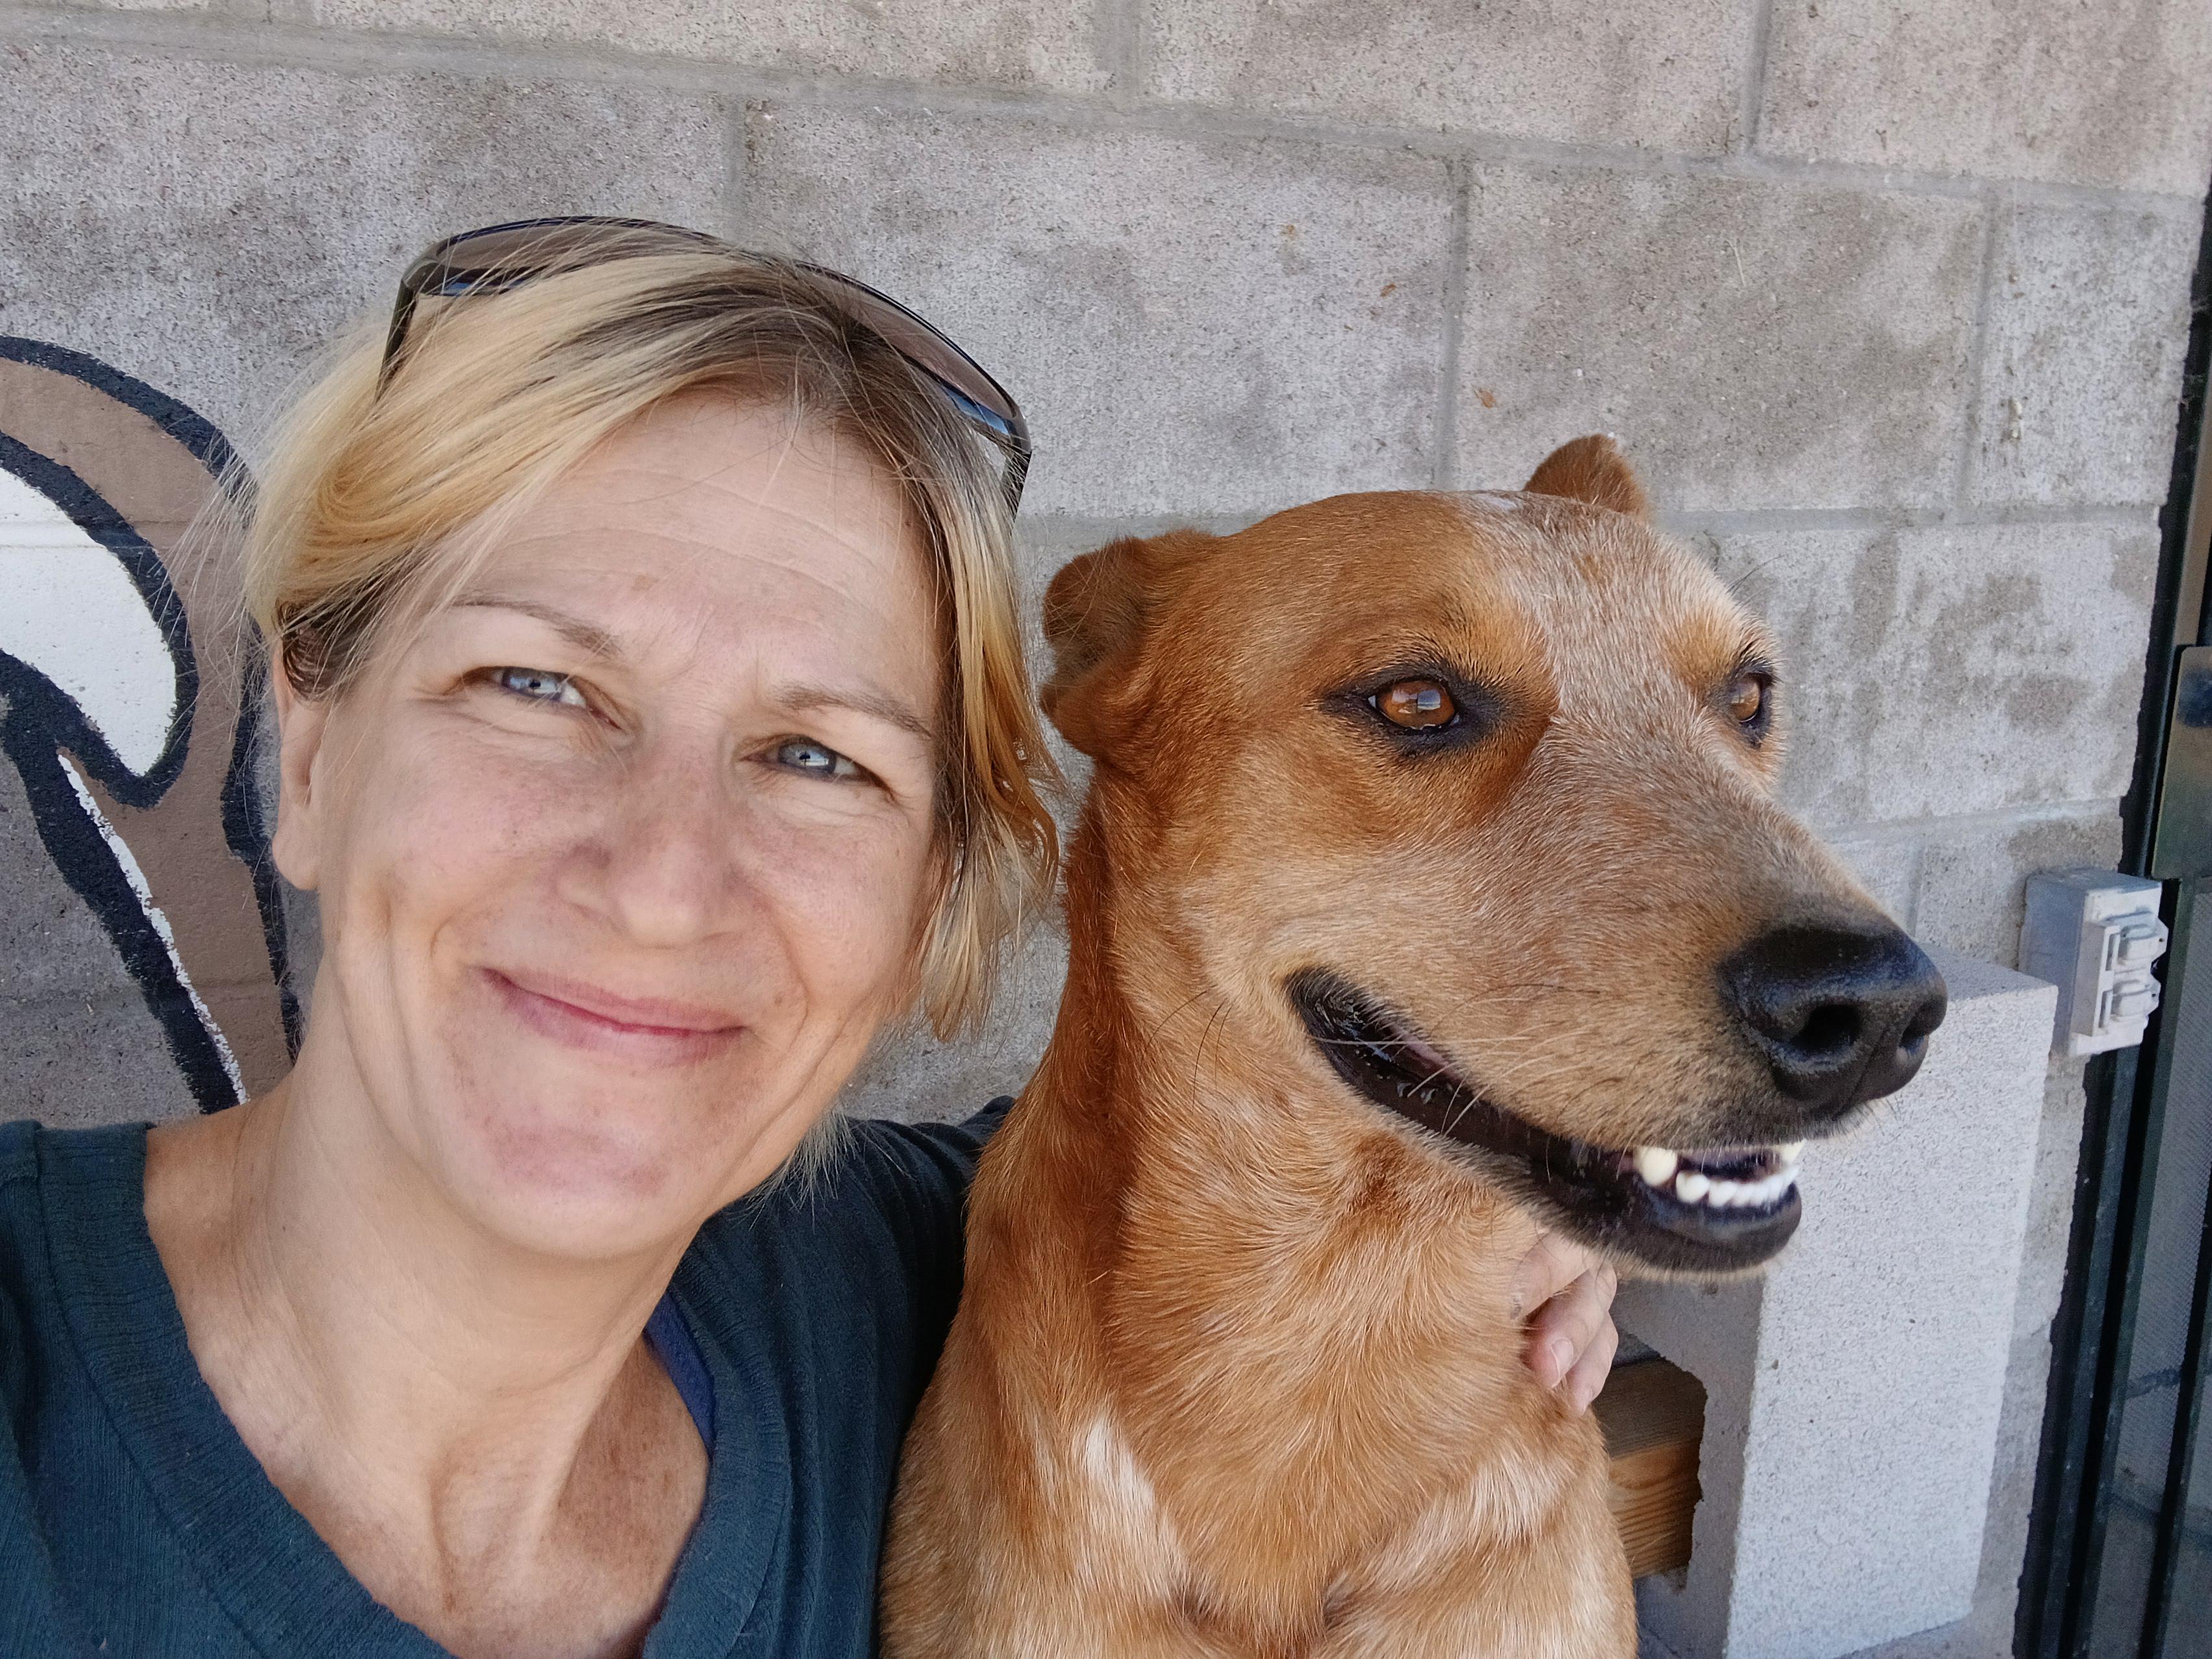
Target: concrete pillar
x=1853, y=1390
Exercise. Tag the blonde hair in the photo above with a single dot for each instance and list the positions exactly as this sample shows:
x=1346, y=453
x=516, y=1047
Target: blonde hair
x=372, y=504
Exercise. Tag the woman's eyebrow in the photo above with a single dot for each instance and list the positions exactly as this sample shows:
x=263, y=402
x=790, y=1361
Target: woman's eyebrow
x=881, y=705
x=584, y=635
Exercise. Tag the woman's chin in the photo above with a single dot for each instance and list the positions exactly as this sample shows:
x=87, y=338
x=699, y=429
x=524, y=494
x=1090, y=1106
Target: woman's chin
x=565, y=1176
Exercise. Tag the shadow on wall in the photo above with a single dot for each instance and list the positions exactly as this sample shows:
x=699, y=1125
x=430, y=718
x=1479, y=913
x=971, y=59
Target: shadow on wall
x=130, y=703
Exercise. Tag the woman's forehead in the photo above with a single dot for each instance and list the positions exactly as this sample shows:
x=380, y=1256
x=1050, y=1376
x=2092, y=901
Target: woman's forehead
x=707, y=523
x=723, y=472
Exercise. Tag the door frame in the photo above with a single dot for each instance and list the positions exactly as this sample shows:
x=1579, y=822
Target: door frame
x=2093, y=1330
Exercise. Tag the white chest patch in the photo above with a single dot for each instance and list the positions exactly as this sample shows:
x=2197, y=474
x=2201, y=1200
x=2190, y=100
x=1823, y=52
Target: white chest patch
x=1125, y=1535
x=1111, y=1468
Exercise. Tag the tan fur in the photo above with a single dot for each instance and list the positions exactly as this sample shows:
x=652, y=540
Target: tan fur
x=1237, y=1371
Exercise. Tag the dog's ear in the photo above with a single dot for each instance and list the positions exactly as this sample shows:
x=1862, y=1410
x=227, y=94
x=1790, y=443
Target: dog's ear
x=1097, y=613
x=1592, y=469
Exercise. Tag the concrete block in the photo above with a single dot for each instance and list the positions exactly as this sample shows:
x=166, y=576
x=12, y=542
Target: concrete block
x=912, y=1077
x=2051, y=1198
x=1194, y=326
x=1973, y=877
x=1855, y=1392
x=1041, y=44
x=227, y=8
x=208, y=227
x=2005, y=88
x=1952, y=669
x=1889, y=867
x=1754, y=343
x=2088, y=314
x=1666, y=77
x=1986, y=1632
x=72, y=1062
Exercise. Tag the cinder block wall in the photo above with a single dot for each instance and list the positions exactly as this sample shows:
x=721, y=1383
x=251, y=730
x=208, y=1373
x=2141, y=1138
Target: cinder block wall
x=1888, y=299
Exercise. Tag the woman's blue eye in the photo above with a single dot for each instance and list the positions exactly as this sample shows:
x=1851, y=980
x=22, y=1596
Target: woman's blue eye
x=538, y=686
x=819, y=760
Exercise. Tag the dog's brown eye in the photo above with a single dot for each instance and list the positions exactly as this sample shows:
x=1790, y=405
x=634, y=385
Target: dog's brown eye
x=1747, y=698
x=1417, y=705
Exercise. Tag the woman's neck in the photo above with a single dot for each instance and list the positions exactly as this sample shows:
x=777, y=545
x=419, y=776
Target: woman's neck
x=435, y=1400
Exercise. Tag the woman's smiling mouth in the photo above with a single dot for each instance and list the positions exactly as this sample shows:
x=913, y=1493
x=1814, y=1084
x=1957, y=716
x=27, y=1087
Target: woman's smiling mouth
x=647, y=1030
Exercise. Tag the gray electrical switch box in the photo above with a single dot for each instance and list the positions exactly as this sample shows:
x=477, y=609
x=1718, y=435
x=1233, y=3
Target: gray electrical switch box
x=2096, y=936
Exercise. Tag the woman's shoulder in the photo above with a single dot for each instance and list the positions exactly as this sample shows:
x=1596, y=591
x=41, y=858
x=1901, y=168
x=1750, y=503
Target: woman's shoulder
x=68, y=1198
x=859, y=1169
x=37, y=1162
x=19, y=1151
x=881, y=1208
x=19, y=1181
x=934, y=1162
x=868, y=1163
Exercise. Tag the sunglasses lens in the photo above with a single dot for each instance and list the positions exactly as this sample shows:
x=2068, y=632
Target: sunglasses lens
x=923, y=345
x=510, y=253
x=502, y=256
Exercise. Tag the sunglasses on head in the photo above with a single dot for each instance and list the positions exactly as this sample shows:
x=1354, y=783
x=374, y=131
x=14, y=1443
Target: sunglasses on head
x=498, y=258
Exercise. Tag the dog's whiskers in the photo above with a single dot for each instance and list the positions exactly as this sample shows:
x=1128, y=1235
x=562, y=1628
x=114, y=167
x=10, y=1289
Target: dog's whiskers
x=1197, y=1055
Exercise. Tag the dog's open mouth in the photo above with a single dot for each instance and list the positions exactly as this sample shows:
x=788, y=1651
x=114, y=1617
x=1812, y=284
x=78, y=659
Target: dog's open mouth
x=1691, y=1209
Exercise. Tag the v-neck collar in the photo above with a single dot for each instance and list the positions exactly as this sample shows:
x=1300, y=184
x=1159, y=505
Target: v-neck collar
x=280, y=1584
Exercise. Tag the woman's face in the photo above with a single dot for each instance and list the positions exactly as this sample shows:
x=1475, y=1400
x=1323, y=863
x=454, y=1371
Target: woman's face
x=624, y=856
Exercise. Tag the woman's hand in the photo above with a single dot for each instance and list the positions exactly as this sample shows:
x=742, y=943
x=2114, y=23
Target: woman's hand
x=1570, y=1337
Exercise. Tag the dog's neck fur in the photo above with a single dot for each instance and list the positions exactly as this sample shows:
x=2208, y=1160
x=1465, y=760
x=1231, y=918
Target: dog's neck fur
x=1300, y=1326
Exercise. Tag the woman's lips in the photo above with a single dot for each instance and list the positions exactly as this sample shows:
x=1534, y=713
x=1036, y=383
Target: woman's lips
x=582, y=1016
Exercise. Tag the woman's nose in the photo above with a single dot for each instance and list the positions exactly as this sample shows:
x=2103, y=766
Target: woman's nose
x=663, y=867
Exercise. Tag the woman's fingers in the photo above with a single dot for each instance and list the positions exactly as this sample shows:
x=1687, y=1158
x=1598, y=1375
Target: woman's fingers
x=1570, y=1338
x=1588, y=1373
x=1554, y=1263
x=1565, y=1328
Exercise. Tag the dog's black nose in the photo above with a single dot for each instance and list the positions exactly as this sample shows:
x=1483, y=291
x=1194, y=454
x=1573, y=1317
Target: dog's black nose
x=1840, y=1011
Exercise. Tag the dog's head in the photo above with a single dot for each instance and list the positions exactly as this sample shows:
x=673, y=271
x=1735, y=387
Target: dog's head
x=1467, y=800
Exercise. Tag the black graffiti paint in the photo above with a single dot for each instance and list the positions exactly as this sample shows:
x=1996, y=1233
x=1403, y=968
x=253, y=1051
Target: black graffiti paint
x=39, y=723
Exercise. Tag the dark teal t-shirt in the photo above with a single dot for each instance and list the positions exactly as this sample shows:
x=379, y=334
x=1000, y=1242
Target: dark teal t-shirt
x=134, y=1521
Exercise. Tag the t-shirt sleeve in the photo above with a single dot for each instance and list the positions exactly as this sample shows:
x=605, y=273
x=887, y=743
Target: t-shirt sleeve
x=918, y=1174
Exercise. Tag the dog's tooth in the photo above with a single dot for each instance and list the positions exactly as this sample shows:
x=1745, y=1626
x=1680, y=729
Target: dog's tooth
x=1656, y=1164
x=1789, y=1149
x=1722, y=1193
x=1691, y=1187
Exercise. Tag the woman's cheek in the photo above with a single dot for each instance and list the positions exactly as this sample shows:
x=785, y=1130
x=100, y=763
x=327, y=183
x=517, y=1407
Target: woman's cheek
x=853, y=897
x=443, y=828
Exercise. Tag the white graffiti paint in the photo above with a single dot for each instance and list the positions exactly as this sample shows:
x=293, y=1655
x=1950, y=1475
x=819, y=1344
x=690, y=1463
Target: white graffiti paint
x=73, y=614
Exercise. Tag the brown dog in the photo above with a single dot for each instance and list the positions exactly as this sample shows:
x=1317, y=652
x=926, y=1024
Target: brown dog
x=1428, y=892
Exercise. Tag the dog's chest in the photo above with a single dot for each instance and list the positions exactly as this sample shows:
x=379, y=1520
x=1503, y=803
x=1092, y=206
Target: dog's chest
x=1246, y=1576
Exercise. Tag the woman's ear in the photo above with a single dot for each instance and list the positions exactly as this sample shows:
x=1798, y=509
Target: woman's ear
x=1592, y=469
x=1097, y=613
x=302, y=725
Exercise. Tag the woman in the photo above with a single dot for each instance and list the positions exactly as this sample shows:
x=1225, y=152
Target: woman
x=654, y=731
